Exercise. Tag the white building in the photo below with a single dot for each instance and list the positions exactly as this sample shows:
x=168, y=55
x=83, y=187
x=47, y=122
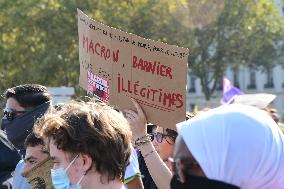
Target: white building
x=61, y=94
x=248, y=80
x=280, y=6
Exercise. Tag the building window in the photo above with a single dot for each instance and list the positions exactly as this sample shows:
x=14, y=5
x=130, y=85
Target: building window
x=252, y=79
x=219, y=85
x=236, y=79
x=191, y=84
x=269, y=79
x=192, y=107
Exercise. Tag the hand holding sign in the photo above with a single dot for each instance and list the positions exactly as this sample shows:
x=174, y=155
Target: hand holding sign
x=137, y=121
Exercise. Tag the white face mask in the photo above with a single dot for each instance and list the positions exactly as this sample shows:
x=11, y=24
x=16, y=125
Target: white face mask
x=60, y=179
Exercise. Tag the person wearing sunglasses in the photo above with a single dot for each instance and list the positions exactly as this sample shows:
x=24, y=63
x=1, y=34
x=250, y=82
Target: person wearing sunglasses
x=163, y=140
x=155, y=149
x=24, y=104
x=229, y=147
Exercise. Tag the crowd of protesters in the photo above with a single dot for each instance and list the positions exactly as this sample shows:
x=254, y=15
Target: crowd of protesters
x=92, y=145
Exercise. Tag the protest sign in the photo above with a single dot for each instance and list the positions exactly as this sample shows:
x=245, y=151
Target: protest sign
x=116, y=66
x=39, y=176
x=260, y=100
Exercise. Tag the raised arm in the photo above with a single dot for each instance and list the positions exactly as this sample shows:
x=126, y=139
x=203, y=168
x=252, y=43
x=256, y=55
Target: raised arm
x=158, y=170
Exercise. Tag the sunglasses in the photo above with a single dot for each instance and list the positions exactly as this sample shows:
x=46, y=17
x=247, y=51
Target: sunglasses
x=11, y=114
x=161, y=136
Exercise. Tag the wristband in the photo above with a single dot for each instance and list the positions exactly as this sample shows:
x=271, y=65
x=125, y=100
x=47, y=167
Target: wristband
x=143, y=140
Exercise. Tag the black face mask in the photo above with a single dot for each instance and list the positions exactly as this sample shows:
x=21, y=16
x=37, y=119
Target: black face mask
x=18, y=129
x=195, y=182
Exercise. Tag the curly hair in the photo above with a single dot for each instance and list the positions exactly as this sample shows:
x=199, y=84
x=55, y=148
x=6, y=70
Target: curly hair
x=28, y=95
x=90, y=128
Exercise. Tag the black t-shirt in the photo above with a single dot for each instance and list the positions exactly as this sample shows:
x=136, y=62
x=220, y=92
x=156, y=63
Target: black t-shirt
x=146, y=177
x=195, y=182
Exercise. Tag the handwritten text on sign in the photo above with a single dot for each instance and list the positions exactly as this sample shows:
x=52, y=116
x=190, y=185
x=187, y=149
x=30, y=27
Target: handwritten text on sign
x=115, y=65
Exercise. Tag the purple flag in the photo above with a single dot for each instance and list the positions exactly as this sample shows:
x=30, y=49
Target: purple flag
x=229, y=91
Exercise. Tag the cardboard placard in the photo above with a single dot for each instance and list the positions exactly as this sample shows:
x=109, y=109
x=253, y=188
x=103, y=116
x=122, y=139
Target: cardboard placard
x=115, y=65
x=39, y=176
x=260, y=100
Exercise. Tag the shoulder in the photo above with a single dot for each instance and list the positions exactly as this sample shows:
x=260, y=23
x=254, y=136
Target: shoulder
x=19, y=181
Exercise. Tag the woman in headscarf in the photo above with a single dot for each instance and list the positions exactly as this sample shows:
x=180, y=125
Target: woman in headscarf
x=229, y=147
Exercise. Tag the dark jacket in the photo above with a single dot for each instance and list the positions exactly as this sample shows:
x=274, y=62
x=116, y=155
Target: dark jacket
x=195, y=182
x=9, y=158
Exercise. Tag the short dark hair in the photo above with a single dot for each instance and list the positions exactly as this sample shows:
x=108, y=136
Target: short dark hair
x=90, y=128
x=33, y=140
x=171, y=133
x=28, y=95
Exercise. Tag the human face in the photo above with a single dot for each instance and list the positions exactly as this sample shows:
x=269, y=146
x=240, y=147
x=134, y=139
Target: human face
x=34, y=155
x=165, y=147
x=62, y=159
x=13, y=109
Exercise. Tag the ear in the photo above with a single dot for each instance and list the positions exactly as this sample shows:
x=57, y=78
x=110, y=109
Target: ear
x=87, y=162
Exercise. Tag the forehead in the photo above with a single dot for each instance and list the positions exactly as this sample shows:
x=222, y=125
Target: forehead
x=36, y=152
x=180, y=149
x=13, y=104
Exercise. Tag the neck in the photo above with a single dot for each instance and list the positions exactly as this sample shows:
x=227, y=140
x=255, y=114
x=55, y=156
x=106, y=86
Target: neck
x=93, y=180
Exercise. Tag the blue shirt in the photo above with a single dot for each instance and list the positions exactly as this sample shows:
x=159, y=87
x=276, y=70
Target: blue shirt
x=20, y=182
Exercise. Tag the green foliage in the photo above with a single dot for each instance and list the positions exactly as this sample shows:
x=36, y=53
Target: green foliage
x=39, y=42
x=245, y=32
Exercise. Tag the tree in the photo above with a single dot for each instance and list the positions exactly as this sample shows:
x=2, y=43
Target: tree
x=39, y=40
x=246, y=32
